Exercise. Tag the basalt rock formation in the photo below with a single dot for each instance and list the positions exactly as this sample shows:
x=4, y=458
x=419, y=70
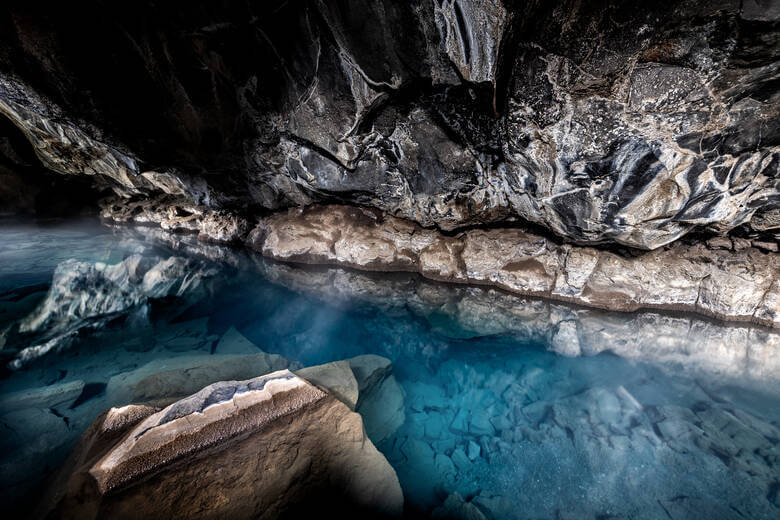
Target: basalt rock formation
x=609, y=121
x=735, y=279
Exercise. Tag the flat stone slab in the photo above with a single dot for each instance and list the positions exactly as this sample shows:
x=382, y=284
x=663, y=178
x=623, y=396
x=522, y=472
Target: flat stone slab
x=52, y=396
x=214, y=415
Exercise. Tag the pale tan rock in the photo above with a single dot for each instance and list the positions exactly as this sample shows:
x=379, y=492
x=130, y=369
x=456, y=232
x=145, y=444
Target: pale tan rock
x=721, y=283
x=765, y=245
x=176, y=214
x=236, y=449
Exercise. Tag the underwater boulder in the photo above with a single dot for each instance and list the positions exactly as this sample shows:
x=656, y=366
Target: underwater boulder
x=165, y=380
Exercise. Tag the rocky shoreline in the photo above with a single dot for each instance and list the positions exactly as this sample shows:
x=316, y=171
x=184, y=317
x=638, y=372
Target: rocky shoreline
x=480, y=379
x=728, y=279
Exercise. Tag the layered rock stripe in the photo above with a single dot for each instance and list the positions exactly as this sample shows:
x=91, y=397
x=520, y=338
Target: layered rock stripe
x=742, y=284
x=234, y=449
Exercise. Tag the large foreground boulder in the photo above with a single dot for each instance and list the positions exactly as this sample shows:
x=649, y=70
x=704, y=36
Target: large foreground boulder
x=269, y=447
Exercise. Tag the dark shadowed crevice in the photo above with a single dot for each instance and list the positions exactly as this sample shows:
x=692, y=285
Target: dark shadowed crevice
x=28, y=188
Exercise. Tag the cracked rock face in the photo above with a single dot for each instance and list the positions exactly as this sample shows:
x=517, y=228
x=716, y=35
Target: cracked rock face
x=734, y=280
x=269, y=447
x=734, y=285
x=607, y=121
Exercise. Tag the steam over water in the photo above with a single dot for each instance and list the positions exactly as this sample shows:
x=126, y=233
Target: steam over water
x=499, y=406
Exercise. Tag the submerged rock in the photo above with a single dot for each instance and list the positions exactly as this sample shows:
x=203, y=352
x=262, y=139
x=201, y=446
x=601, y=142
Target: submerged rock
x=30, y=434
x=165, y=380
x=382, y=408
x=59, y=395
x=269, y=447
x=233, y=342
x=456, y=508
x=336, y=378
x=86, y=296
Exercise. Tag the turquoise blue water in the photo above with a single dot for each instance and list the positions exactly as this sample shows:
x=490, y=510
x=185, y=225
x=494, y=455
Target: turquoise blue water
x=494, y=405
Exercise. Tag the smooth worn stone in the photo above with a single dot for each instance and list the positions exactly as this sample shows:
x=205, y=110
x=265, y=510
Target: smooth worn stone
x=60, y=395
x=235, y=449
x=382, y=408
x=179, y=376
x=233, y=342
x=369, y=370
x=731, y=285
x=336, y=378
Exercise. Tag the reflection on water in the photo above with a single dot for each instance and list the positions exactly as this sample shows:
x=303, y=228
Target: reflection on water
x=500, y=406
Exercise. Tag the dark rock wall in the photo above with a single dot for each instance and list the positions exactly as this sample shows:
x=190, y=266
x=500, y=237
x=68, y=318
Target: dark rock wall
x=28, y=188
x=604, y=121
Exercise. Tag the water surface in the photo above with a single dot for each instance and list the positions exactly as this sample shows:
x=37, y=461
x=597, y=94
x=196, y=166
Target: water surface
x=510, y=407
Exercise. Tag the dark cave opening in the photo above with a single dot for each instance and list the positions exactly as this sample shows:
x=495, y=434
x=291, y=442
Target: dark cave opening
x=28, y=188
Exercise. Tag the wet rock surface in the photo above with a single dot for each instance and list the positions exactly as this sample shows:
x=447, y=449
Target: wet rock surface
x=87, y=296
x=615, y=121
x=732, y=279
x=260, y=448
x=735, y=285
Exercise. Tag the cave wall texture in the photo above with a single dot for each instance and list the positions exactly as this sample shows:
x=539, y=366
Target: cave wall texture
x=603, y=121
